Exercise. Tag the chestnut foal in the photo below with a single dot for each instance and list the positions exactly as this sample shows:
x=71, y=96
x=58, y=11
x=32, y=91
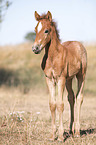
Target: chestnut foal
x=61, y=63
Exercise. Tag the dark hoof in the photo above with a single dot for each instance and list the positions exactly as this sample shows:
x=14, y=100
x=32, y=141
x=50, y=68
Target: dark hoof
x=71, y=133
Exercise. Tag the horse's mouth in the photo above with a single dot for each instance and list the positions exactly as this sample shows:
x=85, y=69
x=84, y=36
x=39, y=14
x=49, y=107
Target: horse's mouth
x=37, y=50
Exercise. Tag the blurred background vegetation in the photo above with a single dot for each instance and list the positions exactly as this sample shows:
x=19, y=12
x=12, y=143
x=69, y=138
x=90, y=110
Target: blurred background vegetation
x=20, y=68
x=30, y=36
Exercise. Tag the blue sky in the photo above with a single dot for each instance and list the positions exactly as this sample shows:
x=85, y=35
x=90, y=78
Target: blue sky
x=76, y=19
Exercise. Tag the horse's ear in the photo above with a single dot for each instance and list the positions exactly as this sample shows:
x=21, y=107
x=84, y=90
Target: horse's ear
x=37, y=16
x=49, y=15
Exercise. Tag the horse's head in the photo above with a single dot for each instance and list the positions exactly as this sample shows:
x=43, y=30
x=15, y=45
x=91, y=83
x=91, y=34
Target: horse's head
x=43, y=31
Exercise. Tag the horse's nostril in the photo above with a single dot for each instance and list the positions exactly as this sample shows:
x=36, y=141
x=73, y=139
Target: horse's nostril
x=37, y=48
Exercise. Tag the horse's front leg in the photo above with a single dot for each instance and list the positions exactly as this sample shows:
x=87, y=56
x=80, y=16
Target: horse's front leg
x=52, y=105
x=60, y=106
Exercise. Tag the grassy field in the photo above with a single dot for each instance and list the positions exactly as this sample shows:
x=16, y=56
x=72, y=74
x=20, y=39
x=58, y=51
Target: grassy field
x=24, y=110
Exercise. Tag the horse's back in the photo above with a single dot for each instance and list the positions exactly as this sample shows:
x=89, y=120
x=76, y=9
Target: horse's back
x=76, y=57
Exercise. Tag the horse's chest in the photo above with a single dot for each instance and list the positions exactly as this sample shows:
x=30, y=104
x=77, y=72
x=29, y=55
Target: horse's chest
x=52, y=69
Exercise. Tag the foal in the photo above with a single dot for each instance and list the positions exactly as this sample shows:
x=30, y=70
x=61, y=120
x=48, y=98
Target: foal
x=61, y=63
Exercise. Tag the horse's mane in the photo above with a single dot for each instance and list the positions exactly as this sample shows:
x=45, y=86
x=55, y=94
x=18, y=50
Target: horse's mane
x=53, y=23
x=57, y=31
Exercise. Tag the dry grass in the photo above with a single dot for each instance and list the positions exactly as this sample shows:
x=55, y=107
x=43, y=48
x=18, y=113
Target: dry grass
x=24, y=113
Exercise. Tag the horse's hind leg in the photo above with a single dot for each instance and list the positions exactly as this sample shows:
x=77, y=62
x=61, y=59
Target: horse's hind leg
x=79, y=100
x=71, y=99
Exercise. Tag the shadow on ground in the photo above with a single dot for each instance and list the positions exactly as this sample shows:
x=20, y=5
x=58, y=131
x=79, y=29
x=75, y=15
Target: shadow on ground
x=88, y=131
x=82, y=133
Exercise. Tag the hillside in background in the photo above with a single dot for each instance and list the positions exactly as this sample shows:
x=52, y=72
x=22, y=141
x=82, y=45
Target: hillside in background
x=21, y=68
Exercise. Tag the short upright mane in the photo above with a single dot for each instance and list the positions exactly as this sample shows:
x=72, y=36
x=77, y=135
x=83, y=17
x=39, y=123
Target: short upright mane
x=57, y=31
x=53, y=23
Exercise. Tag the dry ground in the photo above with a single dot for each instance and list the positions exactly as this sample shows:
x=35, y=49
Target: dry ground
x=24, y=111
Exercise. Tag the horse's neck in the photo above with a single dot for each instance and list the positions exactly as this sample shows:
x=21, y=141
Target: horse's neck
x=51, y=51
x=54, y=48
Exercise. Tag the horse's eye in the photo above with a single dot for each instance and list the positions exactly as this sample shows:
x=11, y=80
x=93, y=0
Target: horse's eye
x=46, y=31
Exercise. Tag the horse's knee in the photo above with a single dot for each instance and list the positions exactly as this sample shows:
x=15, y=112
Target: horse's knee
x=52, y=106
x=60, y=107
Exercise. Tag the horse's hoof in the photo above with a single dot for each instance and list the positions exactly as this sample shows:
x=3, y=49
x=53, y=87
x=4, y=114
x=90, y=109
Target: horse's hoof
x=60, y=139
x=77, y=134
x=71, y=133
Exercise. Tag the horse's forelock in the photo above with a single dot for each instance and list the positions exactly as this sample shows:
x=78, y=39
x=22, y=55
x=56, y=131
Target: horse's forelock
x=43, y=16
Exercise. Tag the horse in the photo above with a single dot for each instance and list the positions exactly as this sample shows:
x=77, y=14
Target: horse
x=61, y=63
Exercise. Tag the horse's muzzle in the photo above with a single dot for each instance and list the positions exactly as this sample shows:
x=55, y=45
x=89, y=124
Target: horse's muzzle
x=36, y=49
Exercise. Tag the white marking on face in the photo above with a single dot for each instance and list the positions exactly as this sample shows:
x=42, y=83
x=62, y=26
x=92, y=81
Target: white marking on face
x=39, y=27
